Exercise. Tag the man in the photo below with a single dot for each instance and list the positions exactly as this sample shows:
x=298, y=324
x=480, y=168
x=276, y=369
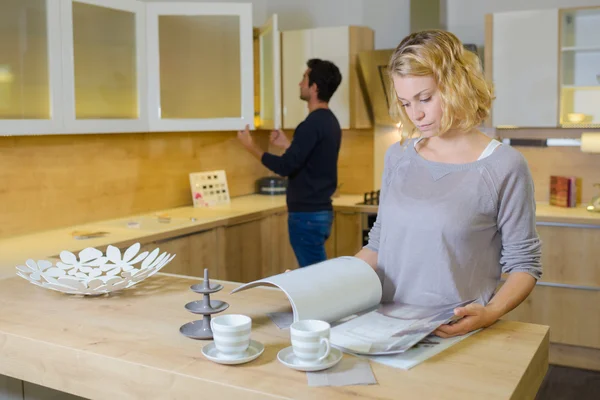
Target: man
x=309, y=162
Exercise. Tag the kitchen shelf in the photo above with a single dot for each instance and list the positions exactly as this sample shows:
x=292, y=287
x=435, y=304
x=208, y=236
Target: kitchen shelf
x=580, y=87
x=582, y=48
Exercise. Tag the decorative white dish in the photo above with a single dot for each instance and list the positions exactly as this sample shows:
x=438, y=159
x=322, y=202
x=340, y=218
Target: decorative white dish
x=95, y=273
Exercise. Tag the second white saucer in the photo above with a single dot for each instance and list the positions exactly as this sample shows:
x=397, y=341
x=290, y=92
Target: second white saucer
x=254, y=350
x=289, y=359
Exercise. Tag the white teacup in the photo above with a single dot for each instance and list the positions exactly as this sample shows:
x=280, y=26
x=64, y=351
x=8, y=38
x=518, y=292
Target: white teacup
x=231, y=334
x=310, y=341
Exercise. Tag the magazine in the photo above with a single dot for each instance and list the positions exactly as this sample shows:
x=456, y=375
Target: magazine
x=346, y=292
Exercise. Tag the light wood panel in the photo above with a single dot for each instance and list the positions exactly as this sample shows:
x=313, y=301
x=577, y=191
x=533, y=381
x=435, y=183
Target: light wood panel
x=575, y=356
x=130, y=348
x=55, y=181
x=355, y=163
x=488, y=59
x=361, y=39
x=570, y=255
x=194, y=253
x=243, y=256
x=571, y=314
x=330, y=243
x=348, y=240
x=279, y=249
x=49, y=182
x=563, y=161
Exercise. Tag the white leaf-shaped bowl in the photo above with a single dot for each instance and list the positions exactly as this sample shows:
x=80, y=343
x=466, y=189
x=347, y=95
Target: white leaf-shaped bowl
x=92, y=272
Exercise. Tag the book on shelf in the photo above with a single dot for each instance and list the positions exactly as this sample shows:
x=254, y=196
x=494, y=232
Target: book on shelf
x=347, y=292
x=565, y=191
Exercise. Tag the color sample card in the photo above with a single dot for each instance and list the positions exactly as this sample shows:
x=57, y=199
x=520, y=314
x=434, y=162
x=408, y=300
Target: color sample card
x=209, y=188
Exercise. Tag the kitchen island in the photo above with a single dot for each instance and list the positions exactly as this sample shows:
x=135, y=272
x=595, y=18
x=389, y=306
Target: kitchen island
x=127, y=346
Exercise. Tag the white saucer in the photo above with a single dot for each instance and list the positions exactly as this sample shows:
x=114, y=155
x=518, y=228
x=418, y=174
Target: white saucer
x=254, y=350
x=289, y=359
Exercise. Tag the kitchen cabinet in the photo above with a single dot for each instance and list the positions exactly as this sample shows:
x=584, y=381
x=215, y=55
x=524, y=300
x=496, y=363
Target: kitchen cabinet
x=580, y=67
x=30, y=70
x=525, y=68
x=100, y=66
x=200, y=66
x=339, y=45
x=31, y=391
x=282, y=255
x=243, y=251
x=568, y=296
x=194, y=252
x=269, y=75
x=104, y=66
x=348, y=233
x=11, y=388
x=547, y=76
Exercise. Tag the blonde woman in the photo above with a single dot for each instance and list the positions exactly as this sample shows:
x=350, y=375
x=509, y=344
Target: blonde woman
x=457, y=208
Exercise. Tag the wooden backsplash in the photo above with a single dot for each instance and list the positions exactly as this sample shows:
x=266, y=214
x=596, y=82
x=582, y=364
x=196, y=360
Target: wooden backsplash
x=48, y=182
x=563, y=161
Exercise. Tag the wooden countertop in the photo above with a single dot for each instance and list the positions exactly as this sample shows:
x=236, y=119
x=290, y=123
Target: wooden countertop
x=16, y=250
x=128, y=345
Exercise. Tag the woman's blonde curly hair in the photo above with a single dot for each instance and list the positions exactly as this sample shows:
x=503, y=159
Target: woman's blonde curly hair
x=466, y=95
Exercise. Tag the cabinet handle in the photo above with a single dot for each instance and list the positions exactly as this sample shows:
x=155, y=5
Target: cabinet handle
x=568, y=225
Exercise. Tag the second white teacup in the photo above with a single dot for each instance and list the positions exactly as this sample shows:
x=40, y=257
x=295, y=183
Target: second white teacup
x=231, y=334
x=310, y=340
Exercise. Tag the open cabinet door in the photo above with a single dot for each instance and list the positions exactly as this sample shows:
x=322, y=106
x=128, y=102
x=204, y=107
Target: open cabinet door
x=270, y=75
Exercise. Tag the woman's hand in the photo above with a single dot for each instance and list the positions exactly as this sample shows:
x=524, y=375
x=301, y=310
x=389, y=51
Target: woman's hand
x=474, y=316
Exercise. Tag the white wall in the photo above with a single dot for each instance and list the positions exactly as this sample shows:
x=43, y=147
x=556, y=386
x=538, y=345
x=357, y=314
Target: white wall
x=465, y=18
x=389, y=18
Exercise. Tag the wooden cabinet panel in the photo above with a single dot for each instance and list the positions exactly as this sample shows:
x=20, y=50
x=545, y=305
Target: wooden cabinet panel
x=193, y=253
x=282, y=255
x=570, y=255
x=10, y=388
x=348, y=233
x=243, y=251
x=32, y=391
x=571, y=314
x=330, y=243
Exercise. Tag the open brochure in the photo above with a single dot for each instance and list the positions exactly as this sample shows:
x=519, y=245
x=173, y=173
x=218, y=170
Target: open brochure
x=346, y=292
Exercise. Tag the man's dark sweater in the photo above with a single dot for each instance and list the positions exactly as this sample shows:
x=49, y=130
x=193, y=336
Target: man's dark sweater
x=310, y=163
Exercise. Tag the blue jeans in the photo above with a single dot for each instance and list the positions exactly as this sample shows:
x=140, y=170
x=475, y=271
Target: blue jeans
x=308, y=233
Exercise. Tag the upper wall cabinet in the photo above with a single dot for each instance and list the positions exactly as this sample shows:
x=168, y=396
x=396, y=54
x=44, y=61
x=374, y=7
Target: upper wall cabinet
x=525, y=68
x=580, y=67
x=545, y=67
x=30, y=67
x=339, y=45
x=104, y=66
x=269, y=49
x=200, y=66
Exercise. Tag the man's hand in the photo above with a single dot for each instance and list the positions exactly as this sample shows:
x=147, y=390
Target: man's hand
x=278, y=139
x=474, y=315
x=246, y=140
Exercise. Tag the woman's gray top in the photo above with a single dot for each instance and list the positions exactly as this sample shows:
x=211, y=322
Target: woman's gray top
x=445, y=232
